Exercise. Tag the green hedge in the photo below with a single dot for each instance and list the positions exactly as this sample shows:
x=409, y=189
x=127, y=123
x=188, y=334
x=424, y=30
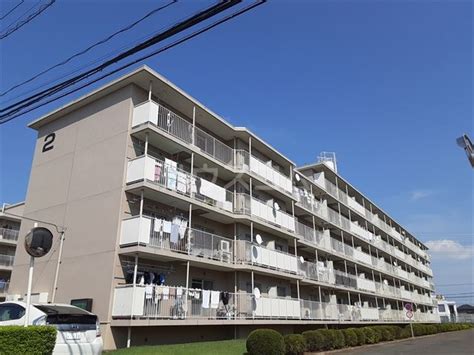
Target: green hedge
x=269, y=342
x=295, y=344
x=265, y=342
x=27, y=340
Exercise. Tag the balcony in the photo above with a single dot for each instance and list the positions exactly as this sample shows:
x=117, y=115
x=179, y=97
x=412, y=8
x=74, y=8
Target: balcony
x=244, y=204
x=183, y=130
x=361, y=232
x=163, y=302
x=248, y=253
x=6, y=260
x=157, y=303
x=167, y=175
x=356, y=206
x=9, y=234
x=365, y=284
x=315, y=237
x=362, y=257
x=141, y=231
x=250, y=163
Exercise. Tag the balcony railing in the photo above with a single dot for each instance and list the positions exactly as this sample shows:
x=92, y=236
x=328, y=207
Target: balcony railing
x=6, y=260
x=213, y=147
x=178, y=303
x=254, y=254
x=191, y=241
x=166, y=174
x=246, y=162
x=9, y=234
x=244, y=204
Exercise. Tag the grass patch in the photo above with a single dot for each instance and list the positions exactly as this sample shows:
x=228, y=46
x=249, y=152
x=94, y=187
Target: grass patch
x=225, y=347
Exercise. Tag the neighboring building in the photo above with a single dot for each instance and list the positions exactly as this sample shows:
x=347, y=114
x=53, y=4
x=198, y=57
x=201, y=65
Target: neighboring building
x=9, y=229
x=465, y=313
x=154, y=188
x=447, y=310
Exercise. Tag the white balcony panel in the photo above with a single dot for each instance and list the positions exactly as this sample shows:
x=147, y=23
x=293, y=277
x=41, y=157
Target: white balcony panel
x=135, y=231
x=272, y=258
x=128, y=301
x=369, y=313
x=145, y=112
x=363, y=257
x=270, y=174
x=399, y=254
x=356, y=206
x=365, y=284
x=261, y=210
x=142, y=168
x=405, y=294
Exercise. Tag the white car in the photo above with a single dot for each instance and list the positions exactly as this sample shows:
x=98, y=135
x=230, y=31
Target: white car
x=78, y=331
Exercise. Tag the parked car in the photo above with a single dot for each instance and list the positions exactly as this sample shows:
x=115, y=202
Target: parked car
x=78, y=331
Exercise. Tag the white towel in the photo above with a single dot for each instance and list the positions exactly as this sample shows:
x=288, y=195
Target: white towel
x=148, y=292
x=166, y=226
x=158, y=224
x=179, y=292
x=166, y=293
x=206, y=294
x=215, y=299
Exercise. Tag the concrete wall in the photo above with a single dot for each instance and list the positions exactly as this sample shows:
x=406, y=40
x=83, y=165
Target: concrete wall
x=79, y=184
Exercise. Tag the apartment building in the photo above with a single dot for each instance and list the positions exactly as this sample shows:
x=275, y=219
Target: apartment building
x=10, y=220
x=181, y=227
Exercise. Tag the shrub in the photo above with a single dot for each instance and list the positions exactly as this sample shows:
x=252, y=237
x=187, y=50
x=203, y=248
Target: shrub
x=315, y=340
x=338, y=339
x=265, y=342
x=377, y=333
x=361, y=338
x=33, y=340
x=387, y=333
x=350, y=337
x=295, y=344
x=370, y=335
x=406, y=332
x=397, y=331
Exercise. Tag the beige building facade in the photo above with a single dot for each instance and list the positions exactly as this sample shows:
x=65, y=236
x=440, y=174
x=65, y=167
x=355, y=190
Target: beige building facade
x=180, y=227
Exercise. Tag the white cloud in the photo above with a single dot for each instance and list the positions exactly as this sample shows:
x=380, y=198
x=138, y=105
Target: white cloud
x=419, y=194
x=449, y=249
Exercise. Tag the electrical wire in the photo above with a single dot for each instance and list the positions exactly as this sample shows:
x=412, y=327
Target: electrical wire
x=102, y=41
x=171, y=31
x=13, y=9
x=21, y=23
x=185, y=38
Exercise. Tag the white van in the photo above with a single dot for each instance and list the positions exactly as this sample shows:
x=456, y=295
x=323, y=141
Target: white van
x=78, y=330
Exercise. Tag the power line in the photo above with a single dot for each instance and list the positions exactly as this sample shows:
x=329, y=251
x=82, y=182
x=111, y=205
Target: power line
x=13, y=9
x=21, y=23
x=171, y=31
x=102, y=41
x=185, y=38
x=461, y=284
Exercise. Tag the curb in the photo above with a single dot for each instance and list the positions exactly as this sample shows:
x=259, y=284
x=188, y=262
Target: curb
x=380, y=343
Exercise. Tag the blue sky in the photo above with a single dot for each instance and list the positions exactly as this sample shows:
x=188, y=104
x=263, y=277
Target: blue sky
x=387, y=85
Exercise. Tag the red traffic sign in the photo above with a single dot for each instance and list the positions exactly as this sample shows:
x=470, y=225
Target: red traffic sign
x=408, y=307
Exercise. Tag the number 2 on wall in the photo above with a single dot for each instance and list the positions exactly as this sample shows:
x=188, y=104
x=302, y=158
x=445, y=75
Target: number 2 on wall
x=48, y=142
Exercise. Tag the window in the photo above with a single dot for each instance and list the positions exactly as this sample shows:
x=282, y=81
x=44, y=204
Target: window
x=441, y=308
x=281, y=291
x=202, y=284
x=11, y=311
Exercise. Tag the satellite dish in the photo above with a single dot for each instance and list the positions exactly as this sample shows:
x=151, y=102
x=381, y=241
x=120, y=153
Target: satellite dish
x=256, y=293
x=297, y=177
x=258, y=238
x=301, y=260
x=38, y=242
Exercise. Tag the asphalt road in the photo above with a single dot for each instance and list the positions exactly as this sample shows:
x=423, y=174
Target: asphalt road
x=460, y=342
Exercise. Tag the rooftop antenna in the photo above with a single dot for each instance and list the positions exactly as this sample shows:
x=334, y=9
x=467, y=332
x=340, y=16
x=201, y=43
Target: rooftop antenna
x=329, y=159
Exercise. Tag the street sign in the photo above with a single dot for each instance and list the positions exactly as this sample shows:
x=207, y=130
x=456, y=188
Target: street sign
x=409, y=314
x=408, y=307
